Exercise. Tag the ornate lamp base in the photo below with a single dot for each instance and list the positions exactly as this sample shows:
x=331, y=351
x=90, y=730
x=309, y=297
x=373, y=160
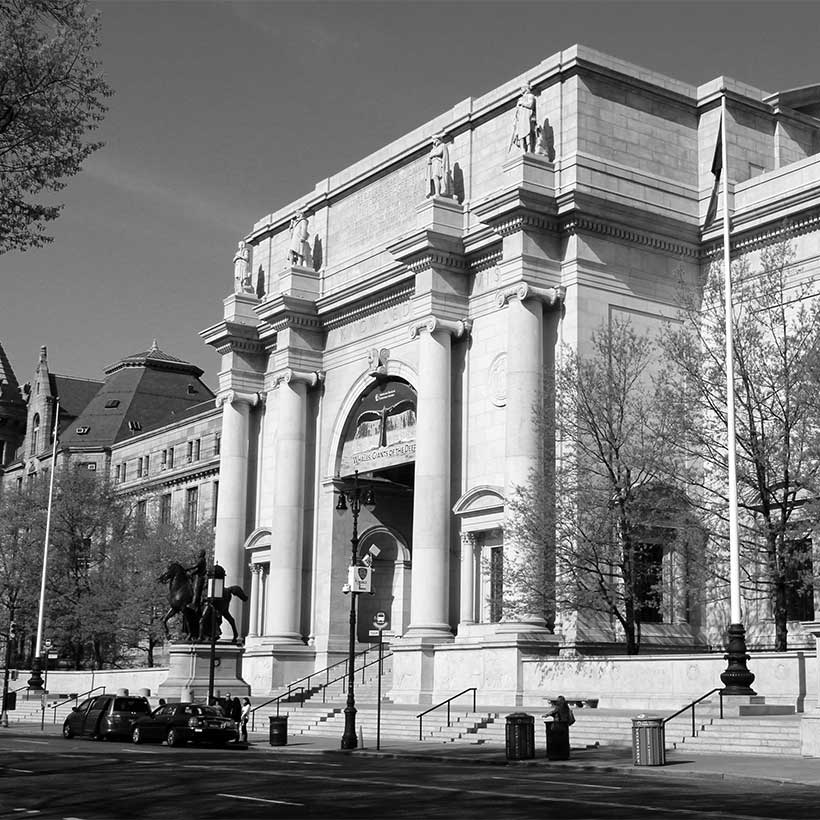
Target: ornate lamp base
x=737, y=679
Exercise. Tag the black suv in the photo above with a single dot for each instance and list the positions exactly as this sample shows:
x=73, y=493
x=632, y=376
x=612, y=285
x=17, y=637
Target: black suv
x=106, y=716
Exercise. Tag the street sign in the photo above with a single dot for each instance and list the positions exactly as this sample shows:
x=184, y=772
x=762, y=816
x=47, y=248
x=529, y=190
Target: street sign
x=48, y=643
x=53, y=655
x=380, y=619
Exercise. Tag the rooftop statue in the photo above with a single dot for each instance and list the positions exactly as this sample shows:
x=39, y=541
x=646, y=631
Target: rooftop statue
x=242, y=269
x=524, y=126
x=299, y=248
x=438, y=168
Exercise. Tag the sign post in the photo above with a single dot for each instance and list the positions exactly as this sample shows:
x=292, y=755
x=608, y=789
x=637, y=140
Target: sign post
x=380, y=623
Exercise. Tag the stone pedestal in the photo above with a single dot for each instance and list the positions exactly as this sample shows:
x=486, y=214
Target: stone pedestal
x=810, y=724
x=189, y=670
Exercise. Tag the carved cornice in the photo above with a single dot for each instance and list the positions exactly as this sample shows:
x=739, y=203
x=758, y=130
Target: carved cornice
x=288, y=375
x=583, y=224
x=431, y=258
x=525, y=221
x=237, y=397
x=285, y=312
x=433, y=324
x=485, y=261
x=551, y=297
x=380, y=302
x=235, y=345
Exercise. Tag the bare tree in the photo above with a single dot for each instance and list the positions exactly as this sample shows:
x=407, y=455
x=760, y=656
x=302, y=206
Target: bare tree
x=776, y=320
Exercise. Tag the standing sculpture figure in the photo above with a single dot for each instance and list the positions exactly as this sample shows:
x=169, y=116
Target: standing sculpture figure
x=241, y=268
x=523, y=135
x=299, y=249
x=438, y=168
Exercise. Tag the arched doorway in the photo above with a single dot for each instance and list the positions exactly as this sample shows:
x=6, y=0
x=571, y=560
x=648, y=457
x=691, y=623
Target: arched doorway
x=378, y=441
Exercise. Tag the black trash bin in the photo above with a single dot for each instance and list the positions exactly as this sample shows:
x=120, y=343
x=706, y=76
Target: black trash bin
x=557, y=740
x=648, y=741
x=520, y=735
x=279, y=730
x=10, y=701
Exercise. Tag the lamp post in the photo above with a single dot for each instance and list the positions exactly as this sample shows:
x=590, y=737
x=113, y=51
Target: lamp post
x=356, y=495
x=4, y=718
x=216, y=586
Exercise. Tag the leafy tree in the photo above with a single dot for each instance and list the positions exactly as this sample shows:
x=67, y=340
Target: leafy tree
x=51, y=94
x=615, y=502
x=776, y=332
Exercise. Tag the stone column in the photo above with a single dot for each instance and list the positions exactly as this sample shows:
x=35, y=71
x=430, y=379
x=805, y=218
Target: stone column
x=429, y=615
x=232, y=502
x=285, y=583
x=469, y=541
x=253, y=626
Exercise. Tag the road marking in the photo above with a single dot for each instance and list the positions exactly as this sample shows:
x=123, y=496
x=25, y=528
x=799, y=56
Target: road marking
x=260, y=799
x=22, y=771
x=558, y=783
x=39, y=742
x=311, y=763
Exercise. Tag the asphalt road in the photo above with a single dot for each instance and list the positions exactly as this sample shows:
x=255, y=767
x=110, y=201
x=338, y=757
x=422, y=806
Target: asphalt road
x=49, y=777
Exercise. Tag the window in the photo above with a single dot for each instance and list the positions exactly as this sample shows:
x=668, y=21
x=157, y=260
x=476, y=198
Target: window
x=170, y=458
x=117, y=474
x=648, y=581
x=197, y=448
x=217, y=444
x=111, y=403
x=2, y=453
x=139, y=467
x=191, y=502
x=124, y=470
x=20, y=484
x=215, y=503
x=35, y=432
x=134, y=426
x=164, y=460
x=145, y=464
x=165, y=509
x=190, y=451
x=798, y=573
x=496, y=584
x=140, y=516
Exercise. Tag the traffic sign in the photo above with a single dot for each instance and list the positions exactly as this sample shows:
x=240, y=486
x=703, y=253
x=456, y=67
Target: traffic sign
x=380, y=619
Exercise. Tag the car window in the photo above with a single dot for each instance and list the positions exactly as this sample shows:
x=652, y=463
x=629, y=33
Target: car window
x=84, y=705
x=100, y=702
x=163, y=711
x=131, y=705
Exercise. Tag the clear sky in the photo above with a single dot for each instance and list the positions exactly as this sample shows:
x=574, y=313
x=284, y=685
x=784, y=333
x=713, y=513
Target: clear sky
x=226, y=111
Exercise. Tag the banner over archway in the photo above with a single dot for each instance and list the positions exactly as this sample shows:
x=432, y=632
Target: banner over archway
x=381, y=430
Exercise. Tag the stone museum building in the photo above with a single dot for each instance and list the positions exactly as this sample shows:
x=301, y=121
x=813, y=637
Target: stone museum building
x=402, y=319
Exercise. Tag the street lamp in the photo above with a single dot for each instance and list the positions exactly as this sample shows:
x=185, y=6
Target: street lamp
x=4, y=718
x=358, y=581
x=216, y=586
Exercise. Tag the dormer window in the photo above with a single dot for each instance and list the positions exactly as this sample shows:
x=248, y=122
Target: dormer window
x=134, y=426
x=192, y=391
x=111, y=403
x=82, y=431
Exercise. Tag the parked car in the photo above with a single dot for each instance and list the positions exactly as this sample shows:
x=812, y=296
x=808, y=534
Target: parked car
x=177, y=723
x=106, y=716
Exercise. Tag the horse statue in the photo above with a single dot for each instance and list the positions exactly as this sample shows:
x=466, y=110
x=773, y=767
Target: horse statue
x=180, y=599
x=197, y=622
x=221, y=610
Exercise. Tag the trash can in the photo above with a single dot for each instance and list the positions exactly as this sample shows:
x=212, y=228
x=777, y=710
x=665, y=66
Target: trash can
x=520, y=736
x=648, y=741
x=278, y=730
x=10, y=701
x=557, y=740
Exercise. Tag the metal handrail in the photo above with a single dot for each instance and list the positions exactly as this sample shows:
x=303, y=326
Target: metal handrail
x=277, y=700
x=75, y=698
x=343, y=678
x=464, y=692
x=691, y=706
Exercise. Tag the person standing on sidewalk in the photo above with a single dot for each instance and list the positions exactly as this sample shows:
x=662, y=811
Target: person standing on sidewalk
x=244, y=718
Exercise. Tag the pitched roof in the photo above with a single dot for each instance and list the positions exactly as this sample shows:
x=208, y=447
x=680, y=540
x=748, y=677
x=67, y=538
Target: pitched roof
x=140, y=393
x=10, y=394
x=74, y=393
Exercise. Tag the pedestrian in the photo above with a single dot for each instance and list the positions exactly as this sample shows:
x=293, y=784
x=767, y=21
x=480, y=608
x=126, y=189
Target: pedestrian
x=562, y=712
x=244, y=718
x=558, y=730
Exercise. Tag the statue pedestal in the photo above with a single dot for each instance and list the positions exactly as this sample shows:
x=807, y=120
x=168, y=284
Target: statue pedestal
x=189, y=670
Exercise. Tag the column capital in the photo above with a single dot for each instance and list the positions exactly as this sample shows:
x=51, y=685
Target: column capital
x=309, y=377
x=470, y=539
x=551, y=297
x=254, y=567
x=433, y=324
x=237, y=397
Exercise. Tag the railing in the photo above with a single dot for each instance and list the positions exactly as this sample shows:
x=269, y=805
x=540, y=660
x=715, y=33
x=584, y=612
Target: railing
x=55, y=706
x=328, y=680
x=447, y=702
x=277, y=700
x=692, y=707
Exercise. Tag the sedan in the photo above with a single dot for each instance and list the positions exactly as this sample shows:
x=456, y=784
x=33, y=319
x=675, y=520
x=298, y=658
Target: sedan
x=177, y=723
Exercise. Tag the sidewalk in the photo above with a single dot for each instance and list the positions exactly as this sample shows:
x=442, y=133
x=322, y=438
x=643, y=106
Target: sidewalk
x=610, y=759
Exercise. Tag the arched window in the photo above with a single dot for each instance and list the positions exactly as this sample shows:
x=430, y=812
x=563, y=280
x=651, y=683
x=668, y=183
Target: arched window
x=35, y=433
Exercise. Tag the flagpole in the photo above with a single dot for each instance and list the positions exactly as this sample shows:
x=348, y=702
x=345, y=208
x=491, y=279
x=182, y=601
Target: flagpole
x=36, y=681
x=736, y=677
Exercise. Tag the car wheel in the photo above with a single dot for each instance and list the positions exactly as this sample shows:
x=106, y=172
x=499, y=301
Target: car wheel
x=136, y=735
x=68, y=732
x=174, y=738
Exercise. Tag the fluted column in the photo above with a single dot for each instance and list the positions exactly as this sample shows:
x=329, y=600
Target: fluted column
x=232, y=503
x=431, y=495
x=469, y=540
x=285, y=584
